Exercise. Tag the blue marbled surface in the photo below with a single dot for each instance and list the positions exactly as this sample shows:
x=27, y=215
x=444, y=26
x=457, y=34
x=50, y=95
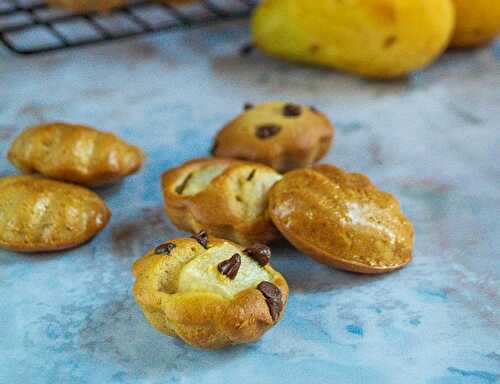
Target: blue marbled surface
x=433, y=140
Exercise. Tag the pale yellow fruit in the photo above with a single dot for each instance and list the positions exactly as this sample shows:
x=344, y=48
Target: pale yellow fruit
x=478, y=22
x=201, y=274
x=374, y=38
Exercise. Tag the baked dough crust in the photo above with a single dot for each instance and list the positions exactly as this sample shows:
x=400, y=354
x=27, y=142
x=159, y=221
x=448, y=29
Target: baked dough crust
x=226, y=197
x=74, y=153
x=341, y=219
x=301, y=136
x=38, y=215
x=200, y=318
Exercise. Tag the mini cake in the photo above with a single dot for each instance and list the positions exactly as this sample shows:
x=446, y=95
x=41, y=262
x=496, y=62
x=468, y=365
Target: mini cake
x=342, y=219
x=211, y=293
x=38, y=215
x=282, y=135
x=75, y=153
x=226, y=197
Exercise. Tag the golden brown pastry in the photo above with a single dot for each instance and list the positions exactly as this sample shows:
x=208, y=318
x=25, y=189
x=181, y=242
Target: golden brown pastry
x=227, y=197
x=342, y=219
x=88, y=5
x=75, y=153
x=478, y=22
x=210, y=292
x=38, y=215
x=282, y=135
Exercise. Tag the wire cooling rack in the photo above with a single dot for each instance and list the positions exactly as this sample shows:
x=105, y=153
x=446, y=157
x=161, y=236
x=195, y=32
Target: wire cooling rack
x=31, y=27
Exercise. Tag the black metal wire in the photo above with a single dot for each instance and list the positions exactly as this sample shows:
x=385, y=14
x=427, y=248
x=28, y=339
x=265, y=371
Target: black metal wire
x=12, y=34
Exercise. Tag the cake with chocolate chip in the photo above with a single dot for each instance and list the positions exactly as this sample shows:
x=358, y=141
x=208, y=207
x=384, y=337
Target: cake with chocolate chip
x=226, y=197
x=210, y=292
x=282, y=135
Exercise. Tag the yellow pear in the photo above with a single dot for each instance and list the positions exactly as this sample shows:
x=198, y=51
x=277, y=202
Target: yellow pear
x=374, y=38
x=478, y=22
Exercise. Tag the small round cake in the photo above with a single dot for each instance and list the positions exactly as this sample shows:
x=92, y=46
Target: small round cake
x=226, y=197
x=342, y=219
x=209, y=292
x=282, y=135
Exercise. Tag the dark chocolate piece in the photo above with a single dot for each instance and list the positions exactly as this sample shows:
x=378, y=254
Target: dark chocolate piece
x=202, y=238
x=251, y=175
x=292, y=110
x=164, y=248
x=260, y=253
x=266, y=131
x=230, y=267
x=272, y=294
x=247, y=106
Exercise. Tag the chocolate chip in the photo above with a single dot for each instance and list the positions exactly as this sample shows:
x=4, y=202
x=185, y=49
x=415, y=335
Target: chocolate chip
x=251, y=175
x=292, y=110
x=202, y=238
x=247, y=106
x=247, y=49
x=272, y=294
x=266, y=131
x=275, y=309
x=314, y=109
x=269, y=290
x=260, y=253
x=164, y=248
x=230, y=267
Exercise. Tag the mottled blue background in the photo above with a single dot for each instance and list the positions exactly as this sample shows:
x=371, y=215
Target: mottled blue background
x=433, y=140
